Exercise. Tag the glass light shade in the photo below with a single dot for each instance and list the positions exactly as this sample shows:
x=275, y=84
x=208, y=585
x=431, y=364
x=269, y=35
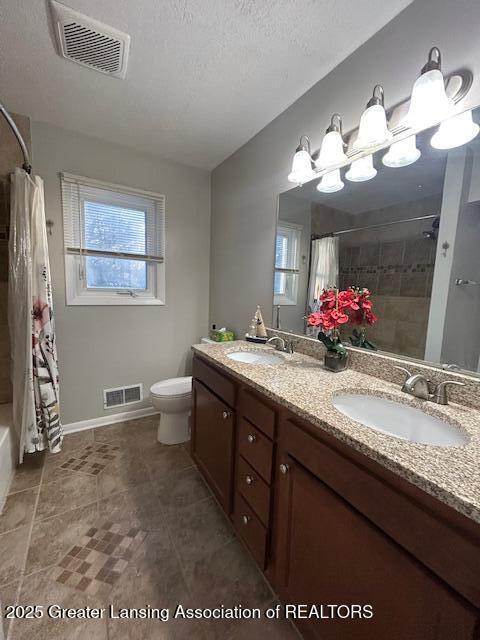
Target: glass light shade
x=330, y=182
x=361, y=170
x=402, y=153
x=373, y=128
x=429, y=103
x=301, y=168
x=455, y=131
x=331, y=151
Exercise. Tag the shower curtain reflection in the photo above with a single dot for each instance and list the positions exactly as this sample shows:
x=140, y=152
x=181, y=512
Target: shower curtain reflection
x=323, y=272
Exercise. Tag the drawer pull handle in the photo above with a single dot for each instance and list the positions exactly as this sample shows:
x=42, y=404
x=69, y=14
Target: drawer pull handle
x=226, y=415
x=246, y=519
x=251, y=438
x=249, y=479
x=284, y=468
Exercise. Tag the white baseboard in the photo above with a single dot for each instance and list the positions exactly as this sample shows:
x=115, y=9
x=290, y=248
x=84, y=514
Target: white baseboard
x=113, y=418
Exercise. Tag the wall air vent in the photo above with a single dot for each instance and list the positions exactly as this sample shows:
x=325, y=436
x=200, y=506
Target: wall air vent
x=122, y=395
x=89, y=42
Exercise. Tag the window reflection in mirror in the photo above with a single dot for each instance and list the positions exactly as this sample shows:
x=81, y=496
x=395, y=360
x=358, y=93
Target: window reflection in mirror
x=409, y=235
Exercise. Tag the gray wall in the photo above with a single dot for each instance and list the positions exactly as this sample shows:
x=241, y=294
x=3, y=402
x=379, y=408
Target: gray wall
x=246, y=185
x=101, y=347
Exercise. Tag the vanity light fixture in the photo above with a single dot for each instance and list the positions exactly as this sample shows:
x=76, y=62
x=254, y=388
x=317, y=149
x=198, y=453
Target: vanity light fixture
x=332, y=148
x=331, y=182
x=361, y=170
x=402, y=153
x=429, y=102
x=373, y=128
x=302, y=170
x=455, y=131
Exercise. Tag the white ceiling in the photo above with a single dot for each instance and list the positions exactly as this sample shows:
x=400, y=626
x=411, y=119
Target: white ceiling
x=204, y=75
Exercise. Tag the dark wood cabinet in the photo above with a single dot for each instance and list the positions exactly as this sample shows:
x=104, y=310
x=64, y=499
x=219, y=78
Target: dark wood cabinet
x=330, y=553
x=212, y=441
x=328, y=525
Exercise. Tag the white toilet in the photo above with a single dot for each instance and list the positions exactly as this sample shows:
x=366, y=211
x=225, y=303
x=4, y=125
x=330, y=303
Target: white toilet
x=172, y=398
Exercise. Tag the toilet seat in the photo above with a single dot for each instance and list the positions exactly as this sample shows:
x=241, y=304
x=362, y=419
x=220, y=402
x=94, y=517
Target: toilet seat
x=172, y=388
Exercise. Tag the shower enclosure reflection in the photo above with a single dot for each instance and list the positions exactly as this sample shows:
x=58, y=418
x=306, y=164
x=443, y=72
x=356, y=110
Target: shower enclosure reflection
x=409, y=236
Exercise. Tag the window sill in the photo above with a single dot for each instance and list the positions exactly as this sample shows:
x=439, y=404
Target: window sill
x=112, y=301
x=284, y=302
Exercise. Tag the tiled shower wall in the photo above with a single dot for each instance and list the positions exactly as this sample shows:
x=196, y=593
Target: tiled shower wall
x=10, y=157
x=399, y=274
x=396, y=263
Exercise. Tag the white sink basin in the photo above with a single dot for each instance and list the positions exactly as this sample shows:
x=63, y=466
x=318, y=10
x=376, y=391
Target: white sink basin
x=255, y=357
x=399, y=420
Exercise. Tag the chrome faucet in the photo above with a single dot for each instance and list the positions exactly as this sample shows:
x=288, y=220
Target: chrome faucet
x=288, y=346
x=280, y=346
x=420, y=387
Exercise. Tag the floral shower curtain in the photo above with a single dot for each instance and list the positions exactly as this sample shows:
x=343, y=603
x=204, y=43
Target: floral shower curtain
x=36, y=416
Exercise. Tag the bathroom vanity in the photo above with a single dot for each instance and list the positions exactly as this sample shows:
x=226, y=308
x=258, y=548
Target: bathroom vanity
x=334, y=512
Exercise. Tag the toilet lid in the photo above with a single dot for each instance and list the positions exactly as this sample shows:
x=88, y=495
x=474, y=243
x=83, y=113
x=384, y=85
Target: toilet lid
x=172, y=387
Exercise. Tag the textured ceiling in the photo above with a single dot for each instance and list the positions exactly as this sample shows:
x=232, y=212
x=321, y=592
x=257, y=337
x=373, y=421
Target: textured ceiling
x=204, y=75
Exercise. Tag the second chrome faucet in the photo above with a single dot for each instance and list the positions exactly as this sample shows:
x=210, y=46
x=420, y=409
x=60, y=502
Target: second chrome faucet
x=419, y=386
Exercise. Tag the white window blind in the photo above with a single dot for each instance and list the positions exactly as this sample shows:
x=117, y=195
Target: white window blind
x=110, y=221
x=286, y=250
x=114, y=240
x=287, y=247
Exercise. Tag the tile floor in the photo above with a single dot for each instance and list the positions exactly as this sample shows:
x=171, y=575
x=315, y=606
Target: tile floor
x=117, y=518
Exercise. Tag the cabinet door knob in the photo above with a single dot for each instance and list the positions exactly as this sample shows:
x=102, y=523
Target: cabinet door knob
x=226, y=415
x=245, y=519
x=284, y=468
x=251, y=438
x=249, y=479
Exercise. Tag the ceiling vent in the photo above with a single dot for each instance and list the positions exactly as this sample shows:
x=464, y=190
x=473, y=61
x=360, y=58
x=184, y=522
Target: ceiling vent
x=89, y=42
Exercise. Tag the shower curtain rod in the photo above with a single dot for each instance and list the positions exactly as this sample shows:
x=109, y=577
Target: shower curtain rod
x=372, y=226
x=26, y=166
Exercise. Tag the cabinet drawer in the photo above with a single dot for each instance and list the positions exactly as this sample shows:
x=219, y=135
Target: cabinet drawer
x=250, y=529
x=256, y=448
x=222, y=386
x=255, y=490
x=257, y=412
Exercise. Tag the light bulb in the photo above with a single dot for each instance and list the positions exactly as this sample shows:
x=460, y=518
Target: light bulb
x=302, y=163
x=330, y=182
x=361, y=170
x=429, y=102
x=402, y=153
x=373, y=128
x=455, y=131
x=331, y=150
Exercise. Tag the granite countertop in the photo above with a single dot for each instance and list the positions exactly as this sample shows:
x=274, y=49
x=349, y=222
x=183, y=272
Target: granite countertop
x=450, y=474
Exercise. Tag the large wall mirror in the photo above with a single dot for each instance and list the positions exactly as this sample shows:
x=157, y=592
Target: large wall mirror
x=410, y=235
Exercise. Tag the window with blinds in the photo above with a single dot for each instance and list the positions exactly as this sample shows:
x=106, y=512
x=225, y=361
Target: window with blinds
x=287, y=248
x=114, y=243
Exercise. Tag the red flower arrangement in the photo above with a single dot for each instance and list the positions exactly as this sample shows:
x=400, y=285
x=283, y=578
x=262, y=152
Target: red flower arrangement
x=340, y=307
x=352, y=305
